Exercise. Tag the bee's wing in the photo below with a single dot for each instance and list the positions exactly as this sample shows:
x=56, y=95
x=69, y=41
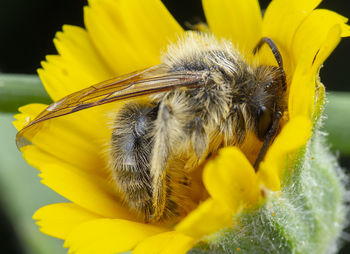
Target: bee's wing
x=152, y=80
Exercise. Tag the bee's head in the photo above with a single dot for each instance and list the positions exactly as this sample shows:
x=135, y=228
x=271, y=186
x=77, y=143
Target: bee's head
x=269, y=97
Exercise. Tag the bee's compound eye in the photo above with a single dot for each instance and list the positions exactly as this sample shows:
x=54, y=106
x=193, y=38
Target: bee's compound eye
x=264, y=121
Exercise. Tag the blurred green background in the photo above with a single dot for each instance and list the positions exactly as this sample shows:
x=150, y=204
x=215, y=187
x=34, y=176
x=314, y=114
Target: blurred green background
x=27, y=28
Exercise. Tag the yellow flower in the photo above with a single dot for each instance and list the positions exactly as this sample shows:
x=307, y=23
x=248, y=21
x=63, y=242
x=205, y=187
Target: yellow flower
x=127, y=35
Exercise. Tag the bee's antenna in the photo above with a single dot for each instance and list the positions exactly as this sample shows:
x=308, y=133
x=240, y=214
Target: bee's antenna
x=277, y=55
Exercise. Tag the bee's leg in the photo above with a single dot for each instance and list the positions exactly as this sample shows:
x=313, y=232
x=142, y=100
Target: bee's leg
x=199, y=137
x=160, y=156
x=131, y=147
x=268, y=138
x=171, y=142
x=233, y=127
x=199, y=142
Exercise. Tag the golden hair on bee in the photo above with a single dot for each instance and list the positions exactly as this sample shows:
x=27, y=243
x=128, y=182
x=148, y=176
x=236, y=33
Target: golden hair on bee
x=202, y=96
x=190, y=123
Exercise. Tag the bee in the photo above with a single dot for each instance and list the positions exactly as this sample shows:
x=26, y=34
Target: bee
x=202, y=96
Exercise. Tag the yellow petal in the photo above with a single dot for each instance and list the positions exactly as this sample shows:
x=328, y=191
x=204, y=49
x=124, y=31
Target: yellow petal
x=239, y=21
x=313, y=42
x=149, y=25
x=133, y=33
x=70, y=138
x=293, y=136
x=52, y=75
x=166, y=243
x=28, y=112
x=209, y=217
x=58, y=220
x=86, y=190
x=313, y=34
x=281, y=20
x=231, y=180
x=107, y=236
x=345, y=30
x=79, y=64
x=302, y=93
x=37, y=158
x=311, y=57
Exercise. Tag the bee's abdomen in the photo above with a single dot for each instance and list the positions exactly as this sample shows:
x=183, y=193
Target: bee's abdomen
x=131, y=153
x=131, y=148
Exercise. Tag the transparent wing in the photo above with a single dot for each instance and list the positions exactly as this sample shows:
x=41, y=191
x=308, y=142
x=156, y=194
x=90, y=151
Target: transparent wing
x=152, y=80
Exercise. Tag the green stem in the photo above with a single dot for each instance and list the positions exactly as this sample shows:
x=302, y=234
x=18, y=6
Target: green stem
x=18, y=89
x=337, y=123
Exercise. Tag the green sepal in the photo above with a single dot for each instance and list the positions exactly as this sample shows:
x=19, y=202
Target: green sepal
x=18, y=89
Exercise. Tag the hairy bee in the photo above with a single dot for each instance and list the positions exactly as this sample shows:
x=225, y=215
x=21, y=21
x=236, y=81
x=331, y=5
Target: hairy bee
x=202, y=96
